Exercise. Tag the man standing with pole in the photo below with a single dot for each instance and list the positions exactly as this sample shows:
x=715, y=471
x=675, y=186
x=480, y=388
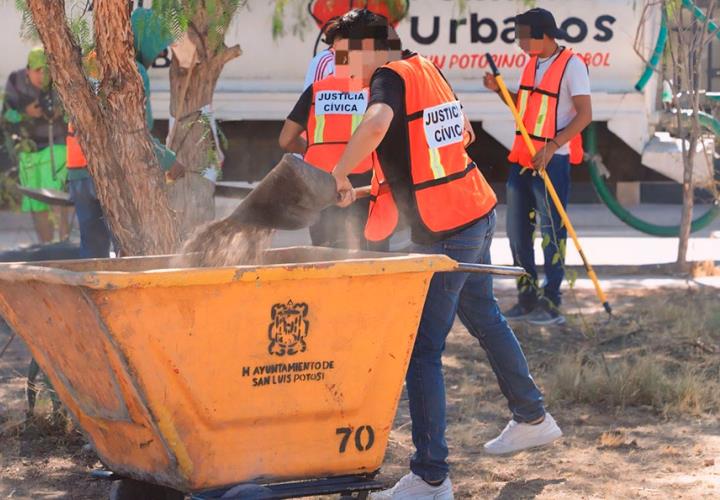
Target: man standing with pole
x=417, y=126
x=554, y=103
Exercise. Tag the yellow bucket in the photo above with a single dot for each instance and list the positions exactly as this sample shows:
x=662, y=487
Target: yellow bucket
x=202, y=378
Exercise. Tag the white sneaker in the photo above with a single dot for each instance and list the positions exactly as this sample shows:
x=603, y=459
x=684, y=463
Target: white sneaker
x=517, y=436
x=412, y=487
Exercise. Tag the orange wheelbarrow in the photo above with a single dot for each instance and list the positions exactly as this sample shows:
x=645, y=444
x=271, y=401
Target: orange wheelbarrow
x=266, y=381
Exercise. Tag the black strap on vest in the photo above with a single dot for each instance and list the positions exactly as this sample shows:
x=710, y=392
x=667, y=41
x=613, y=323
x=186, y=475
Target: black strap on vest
x=447, y=179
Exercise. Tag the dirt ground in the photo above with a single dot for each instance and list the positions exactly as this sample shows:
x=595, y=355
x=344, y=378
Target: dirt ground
x=656, y=449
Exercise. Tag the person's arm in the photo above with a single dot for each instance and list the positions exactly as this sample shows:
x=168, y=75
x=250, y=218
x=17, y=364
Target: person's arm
x=291, y=139
x=365, y=140
x=468, y=130
x=16, y=107
x=165, y=156
x=577, y=82
x=583, y=106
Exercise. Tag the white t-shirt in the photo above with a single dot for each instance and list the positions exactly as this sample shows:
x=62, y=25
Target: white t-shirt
x=322, y=65
x=575, y=82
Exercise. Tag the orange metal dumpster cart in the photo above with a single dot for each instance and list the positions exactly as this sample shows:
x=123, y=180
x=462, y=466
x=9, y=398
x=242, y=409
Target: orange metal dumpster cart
x=199, y=379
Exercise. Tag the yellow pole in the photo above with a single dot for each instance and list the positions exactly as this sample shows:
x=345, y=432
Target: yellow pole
x=548, y=184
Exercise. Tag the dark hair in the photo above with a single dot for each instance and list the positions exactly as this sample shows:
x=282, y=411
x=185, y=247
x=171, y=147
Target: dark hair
x=358, y=24
x=327, y=32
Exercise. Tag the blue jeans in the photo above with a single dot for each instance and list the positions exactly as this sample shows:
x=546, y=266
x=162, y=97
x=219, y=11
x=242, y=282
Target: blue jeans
x=526, y=193
x=94, y=233
x=470, y=296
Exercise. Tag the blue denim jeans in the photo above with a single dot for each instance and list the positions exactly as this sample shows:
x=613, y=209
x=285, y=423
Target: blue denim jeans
x=526, y=194
x=94, y=233
x=470, y=296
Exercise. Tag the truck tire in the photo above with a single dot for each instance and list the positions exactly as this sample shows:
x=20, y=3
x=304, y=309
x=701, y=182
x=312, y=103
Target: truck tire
x=130, y=489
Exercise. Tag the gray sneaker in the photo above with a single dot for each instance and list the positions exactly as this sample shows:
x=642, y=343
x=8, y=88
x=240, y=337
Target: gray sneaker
x=544, y=315
x=518, y=312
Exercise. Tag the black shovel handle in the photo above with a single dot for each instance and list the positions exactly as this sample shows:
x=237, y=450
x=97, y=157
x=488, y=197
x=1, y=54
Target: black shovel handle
x=464, y=267
x=491, y=62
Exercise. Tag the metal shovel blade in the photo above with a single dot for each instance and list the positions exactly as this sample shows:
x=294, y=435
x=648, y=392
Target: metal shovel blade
x=291, y=196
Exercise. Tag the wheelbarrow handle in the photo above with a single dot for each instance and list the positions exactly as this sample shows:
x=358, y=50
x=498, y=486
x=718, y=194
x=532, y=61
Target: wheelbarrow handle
x=464, y=267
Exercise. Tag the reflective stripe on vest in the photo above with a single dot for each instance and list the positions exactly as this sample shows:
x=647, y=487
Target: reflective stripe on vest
x=335, y=113
x=75, y=156
x=538, y=107
x=449, y=190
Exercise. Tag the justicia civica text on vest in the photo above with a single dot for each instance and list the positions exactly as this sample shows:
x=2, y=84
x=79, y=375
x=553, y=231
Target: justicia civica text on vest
x=443, y=114
x=329, y=102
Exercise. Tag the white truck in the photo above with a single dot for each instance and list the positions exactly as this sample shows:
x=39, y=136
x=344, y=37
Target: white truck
x=265, y=82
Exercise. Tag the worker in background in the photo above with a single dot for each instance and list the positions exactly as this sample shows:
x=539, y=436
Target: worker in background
x=322, y=64
x=34, y=118
x=417, y=126
x=319, y=127
x=151, y=36
x=554, y=101
x=95, y=236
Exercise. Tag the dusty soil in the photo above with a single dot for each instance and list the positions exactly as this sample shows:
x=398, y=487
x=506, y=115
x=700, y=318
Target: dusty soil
x=608, y=451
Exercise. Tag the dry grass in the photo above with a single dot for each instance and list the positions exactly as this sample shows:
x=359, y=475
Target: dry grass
x=616, y=439
x=665, y=356
x=643, y=381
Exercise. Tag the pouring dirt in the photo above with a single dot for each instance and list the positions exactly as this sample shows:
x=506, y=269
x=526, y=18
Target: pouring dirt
x=291, y=196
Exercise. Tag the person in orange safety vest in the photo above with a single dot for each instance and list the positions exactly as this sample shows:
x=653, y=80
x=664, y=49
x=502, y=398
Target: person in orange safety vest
x=419, y=129
x=95, y=237
x=319, y=127
x=554, y=102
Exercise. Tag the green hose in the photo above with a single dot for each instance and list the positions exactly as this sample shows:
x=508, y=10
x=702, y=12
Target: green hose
x=657, y=54
x=708, y=122
x=623, y=214
x=712, y=27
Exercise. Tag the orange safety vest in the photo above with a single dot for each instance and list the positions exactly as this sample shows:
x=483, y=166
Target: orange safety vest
x=538, y=107
x=449, y=191
x=75, y=156
x=383, y=214
x=335, y=113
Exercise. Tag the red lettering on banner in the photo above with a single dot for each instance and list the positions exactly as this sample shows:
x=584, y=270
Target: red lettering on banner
x=476, y=60
x=596, y=59
x=438, y=61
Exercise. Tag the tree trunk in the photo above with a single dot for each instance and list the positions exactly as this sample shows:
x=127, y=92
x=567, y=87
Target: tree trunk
x=191, y=137
x=688, y=205
x=111, y=126
x=692, y=66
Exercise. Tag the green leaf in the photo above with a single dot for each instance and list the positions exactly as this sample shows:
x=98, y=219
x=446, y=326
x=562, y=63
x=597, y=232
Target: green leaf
x=555, y=259
x=571, y=275
x=545, y=241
